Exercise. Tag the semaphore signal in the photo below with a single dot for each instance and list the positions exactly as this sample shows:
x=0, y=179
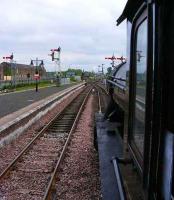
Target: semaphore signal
x=113, y=58
x=8, y=57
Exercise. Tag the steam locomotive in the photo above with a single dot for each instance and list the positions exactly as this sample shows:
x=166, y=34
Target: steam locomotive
x=142, y=91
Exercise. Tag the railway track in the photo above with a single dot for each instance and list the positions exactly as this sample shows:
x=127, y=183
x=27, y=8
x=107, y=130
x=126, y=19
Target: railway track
x=103, y=98
x=15, y=123
x=31, y=175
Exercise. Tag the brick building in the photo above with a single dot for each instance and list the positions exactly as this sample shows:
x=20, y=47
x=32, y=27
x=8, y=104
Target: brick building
x=19, y=71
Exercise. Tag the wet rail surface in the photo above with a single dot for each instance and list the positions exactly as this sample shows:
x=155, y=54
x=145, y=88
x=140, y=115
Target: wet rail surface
x=31, y=174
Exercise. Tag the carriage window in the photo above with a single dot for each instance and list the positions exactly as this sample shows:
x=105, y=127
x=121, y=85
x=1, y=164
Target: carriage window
x=140, y=86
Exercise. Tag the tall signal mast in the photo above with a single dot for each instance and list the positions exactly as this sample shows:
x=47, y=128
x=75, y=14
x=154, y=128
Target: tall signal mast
x=8, y=57
x=102, y=70
x=55, y=54
x=113, y=59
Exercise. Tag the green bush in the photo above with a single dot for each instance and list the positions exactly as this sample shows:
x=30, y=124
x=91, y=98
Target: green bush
x=8, y=87
x=72, y=79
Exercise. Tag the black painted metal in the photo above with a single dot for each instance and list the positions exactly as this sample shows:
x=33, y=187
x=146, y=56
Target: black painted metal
x=122, y=87
x=140, y=16
x=130, y=9
x=149, y=97
x=108, y=145
x=165, y=84
x=119, y=179
x=159, y=90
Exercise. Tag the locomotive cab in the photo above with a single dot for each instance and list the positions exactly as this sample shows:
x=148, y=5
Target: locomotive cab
x=151, y=111
x=142, y=89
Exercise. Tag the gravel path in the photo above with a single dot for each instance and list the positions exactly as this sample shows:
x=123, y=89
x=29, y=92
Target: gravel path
x=80, y=176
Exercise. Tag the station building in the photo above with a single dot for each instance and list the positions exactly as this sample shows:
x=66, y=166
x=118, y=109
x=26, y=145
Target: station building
x=19, y=71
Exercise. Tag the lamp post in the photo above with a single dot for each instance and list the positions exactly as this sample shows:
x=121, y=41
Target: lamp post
x=36, y=76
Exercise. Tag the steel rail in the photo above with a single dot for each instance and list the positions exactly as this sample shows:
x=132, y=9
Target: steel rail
x=5, y=130
x=99, y=96
x=99, y=101
x=26, y=148
x=103, y=89
x=50, y=189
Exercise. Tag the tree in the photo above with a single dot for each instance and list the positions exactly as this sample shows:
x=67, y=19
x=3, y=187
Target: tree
x=78, y=72
x=109, y=70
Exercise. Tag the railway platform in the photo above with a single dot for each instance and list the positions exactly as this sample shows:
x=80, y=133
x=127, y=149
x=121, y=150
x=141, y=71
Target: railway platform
x=24, y=117
x=15, y=101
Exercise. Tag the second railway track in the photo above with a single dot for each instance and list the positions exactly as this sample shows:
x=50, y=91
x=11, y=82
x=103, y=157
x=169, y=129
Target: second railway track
x=31, y=174
x=102, y=97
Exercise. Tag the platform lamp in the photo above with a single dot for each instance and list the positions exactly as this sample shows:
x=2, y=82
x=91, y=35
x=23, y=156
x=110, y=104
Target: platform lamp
x=37, y=76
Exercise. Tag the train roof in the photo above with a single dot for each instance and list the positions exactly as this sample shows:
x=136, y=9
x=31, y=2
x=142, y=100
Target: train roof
x=130, y=9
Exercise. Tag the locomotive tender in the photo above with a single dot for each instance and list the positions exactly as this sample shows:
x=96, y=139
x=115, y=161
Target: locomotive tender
x=142, y=89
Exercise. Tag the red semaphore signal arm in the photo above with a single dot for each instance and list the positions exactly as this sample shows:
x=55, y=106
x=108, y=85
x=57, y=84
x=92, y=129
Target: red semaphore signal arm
x=8, y=57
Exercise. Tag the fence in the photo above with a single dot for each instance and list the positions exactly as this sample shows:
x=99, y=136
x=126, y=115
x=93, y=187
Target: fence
x=7, y=84
x=21, y=82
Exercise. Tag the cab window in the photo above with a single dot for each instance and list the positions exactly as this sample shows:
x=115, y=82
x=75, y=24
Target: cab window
x=140, y=87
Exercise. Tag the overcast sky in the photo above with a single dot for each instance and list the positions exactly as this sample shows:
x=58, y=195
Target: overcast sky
x=85, y=30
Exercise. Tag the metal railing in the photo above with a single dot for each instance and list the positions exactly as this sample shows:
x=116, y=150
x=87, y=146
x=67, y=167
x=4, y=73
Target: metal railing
x=121, y=190
x=122, y=87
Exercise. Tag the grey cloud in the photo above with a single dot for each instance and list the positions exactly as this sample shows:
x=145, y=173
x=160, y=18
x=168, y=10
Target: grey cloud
x=86, y=30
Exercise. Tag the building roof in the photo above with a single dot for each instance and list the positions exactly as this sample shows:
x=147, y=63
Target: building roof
x=21, y=66
x=17, y=65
